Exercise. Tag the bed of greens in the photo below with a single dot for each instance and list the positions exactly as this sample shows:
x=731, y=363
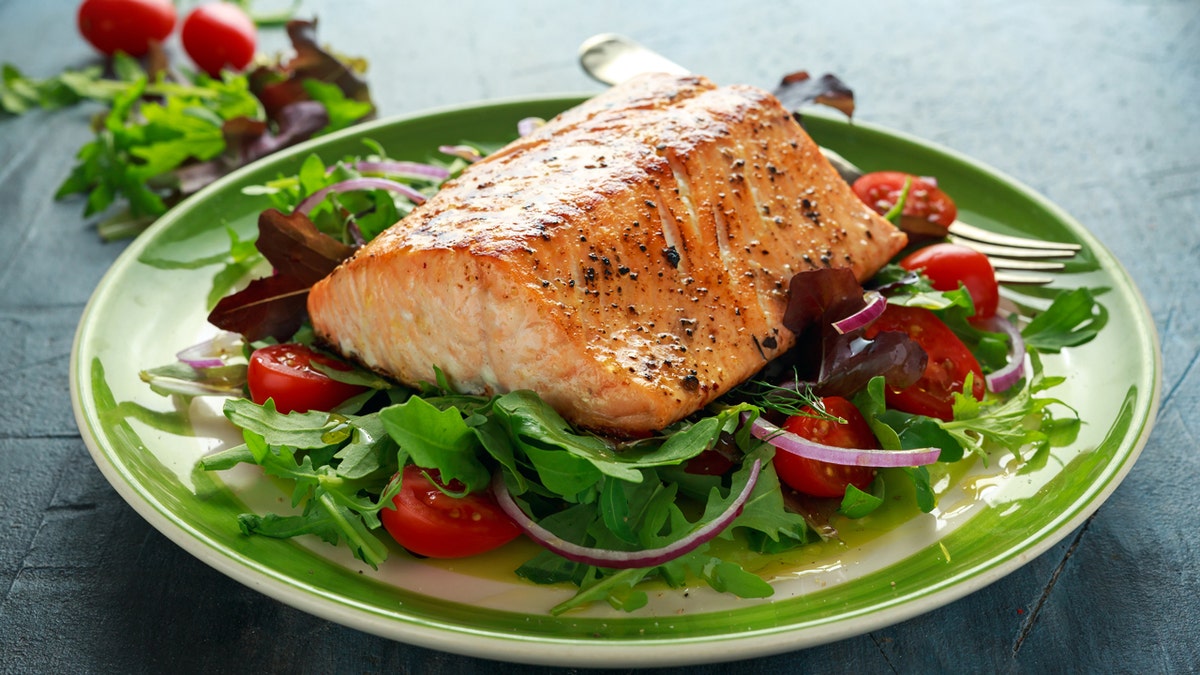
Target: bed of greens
x=610, y=514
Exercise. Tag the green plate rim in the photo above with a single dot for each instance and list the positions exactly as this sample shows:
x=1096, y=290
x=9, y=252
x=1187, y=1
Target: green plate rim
x=453, y=636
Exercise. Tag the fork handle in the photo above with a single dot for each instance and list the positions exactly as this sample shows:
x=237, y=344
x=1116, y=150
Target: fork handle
x=612, y=59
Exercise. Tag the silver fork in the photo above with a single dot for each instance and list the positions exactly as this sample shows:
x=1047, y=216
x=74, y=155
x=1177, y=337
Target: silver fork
x=610, y=59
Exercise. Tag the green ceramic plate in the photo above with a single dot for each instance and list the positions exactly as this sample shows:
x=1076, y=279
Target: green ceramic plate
x=990, y=520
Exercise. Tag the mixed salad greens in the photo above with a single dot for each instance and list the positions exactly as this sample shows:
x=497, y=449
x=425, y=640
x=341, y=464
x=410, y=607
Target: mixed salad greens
x=167, y=132
x=430, y=466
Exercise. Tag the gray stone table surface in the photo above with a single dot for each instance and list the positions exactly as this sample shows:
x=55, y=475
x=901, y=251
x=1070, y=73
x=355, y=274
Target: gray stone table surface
x=1096, y=105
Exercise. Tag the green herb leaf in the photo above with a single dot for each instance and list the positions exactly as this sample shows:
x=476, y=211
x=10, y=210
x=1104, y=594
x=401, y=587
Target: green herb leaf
x=1073, y=318
x=343, y=112
x=857, y=503
x=436, y=439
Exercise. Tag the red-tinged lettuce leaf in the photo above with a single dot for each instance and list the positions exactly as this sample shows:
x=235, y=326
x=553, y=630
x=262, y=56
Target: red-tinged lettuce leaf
x=821, y=296
x=849, y=361
x=295, y=122
x=292, y=114
x=272, y=306
x=799, y=89
x=297, y=248
x=275, y=306
x=818, y=298
x=280, y=87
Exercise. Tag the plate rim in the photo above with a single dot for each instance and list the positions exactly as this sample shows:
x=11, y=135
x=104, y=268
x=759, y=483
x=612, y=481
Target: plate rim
x=553, y=650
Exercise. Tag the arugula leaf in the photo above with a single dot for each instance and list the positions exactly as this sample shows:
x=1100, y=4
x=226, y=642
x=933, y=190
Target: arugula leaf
x=302, y=430
x=857, y=503
x=616, y=589
x=342, y=111
x=1073, y=318
x=371, y=452
x=614, y=506
x=535, y=426
x=568, y=475
x=764, y=511
x=437, y=439
x=926, y=497
x=729, y=577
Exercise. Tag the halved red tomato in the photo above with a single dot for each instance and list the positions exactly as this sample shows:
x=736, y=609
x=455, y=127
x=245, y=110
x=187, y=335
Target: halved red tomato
x=947, y=265
x=285, y=374
x=927, y=209
x=823, y=479
x=945, y=373
x=429, y=522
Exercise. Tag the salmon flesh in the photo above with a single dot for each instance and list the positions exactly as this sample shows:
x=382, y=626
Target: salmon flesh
x=628, y=261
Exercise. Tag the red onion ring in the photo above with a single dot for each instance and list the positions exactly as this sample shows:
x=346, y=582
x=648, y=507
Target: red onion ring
x=803, y=447
x=528, y=125
x=398, y=167
x=876, y=303
x=1014, y=370
x=358, y=184
x=614, y=559
x=461, y=151
x=212, y=352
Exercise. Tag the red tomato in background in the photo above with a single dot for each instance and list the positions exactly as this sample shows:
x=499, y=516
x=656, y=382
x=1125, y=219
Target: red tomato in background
x=125, y=25
x=285, y=374
x=823, y=479
x=219, y=35
x=431, y=523
x=925, y=204
x=948, y=264
x=945, y=373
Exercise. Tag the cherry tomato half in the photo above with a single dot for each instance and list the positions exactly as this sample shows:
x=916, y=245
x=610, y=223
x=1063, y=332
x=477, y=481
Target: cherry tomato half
x=949, y=362
x=219, y=35
x=948, y=264
x=927, y=209
x=431, y=523
x=285, y=374
x=822, y=479
x=125, y=25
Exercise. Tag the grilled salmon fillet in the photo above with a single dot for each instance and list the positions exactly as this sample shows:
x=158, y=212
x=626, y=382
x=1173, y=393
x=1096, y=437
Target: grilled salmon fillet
x=628, y=261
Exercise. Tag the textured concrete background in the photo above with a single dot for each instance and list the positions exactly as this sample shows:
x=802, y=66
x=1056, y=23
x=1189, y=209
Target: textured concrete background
x=1095, y=105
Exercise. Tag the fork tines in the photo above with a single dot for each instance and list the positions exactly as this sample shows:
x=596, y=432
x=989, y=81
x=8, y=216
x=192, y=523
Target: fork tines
x=1015, y=259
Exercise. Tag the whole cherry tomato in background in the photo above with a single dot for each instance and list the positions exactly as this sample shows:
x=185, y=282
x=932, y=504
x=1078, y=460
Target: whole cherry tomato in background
x=948, y=264
x=431, y=523
x=823, y=479
x=284, y=373
x=927, y=209
x=125, y=25
x=945, y=373
x=219, y=35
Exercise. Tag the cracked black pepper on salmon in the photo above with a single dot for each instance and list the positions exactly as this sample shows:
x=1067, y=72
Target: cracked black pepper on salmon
x=628, y=261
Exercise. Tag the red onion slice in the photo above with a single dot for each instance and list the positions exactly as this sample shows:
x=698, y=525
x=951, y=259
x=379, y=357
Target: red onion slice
x=614, y=559
x=876, y=303
x=462, y=152
x=1014, y=370
x=528, y=125
x=399, y=168
x=802, y=447
x=359, y=184
x=212, y=352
